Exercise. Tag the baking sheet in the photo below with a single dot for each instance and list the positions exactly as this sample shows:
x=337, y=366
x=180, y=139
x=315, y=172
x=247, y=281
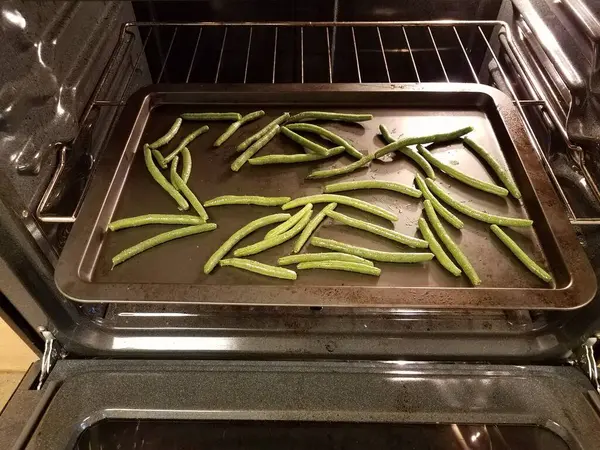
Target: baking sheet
x=173, y=272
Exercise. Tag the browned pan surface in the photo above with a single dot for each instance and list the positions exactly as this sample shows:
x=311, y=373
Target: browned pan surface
x=173, y=272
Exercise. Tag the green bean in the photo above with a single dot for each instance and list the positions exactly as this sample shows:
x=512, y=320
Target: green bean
x=160, y=239
x=311, y=227
x=187, y=192
x=275, y=240
x=375, y=255
x=298, y=158
x=246, y=200
x=403, y=142
x=256, y=136
x=437, y=249
x=254, y=148
x=461, y=176
x=454, y=249
x=341, y=265
x=212, y=116
x=173, y=171
x=162, y=181
x=320, y=115
x=334, y=256
x=186, y=169
x=503, y=174
x=326, y=173
x=380, y=231
x=474, y=213
x=281, y=228
x=151, y=219
x=260, y=268
x=185, y=142
x=239, y=235
x=343, y=200
x=326, y=134
x=159, y=158
x=164, y=140
x=439, y=208
x=521, y=255
x=372, y=184
x=236, y=125
x=407, y=151
x=306, y=143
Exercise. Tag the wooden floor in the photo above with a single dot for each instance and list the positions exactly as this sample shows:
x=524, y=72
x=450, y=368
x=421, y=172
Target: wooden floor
x=15, y=359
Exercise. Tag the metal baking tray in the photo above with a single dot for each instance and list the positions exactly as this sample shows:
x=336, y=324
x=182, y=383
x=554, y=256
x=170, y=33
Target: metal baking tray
x=122, y=187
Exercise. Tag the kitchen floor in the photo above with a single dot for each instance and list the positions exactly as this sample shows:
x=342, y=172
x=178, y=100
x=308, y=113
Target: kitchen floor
x=15, y=359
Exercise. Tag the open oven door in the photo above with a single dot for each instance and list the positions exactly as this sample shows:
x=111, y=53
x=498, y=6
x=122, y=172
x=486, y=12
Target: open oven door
x=216, y=404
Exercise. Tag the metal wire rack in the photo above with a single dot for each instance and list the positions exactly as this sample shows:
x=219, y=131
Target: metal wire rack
x=448, y=51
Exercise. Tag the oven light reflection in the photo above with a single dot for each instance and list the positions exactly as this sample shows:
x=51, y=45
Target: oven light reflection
x=173, y=343
x=15, y=18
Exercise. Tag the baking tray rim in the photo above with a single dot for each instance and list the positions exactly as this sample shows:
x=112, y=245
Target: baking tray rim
x=582, y=284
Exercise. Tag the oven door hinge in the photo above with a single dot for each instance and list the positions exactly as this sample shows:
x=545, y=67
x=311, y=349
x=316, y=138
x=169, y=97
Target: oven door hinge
x=52, y=352
x=586, y=361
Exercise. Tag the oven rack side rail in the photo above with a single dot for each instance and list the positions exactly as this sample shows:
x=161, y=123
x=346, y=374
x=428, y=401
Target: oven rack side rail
x=495, y=35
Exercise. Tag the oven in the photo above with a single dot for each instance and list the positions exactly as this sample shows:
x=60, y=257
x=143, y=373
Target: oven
x=184, y=373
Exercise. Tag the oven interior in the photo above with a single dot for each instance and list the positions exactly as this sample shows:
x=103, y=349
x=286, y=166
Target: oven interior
x=59, y=111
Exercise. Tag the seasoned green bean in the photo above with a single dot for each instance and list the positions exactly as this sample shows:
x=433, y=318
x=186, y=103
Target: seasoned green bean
x=164, y=140
x=162, y=181
x=407, y=151
x=159, y=158
x=474, y=213
x=343, y=200
x=246, y=200
x=256, y=136
x=521, y=255
x=326, y=134
x=321, y=115
x=186, y=169
x=327, y=173
x=311, y=227
x=403, y=142
x=461, y=176
x=260, y=268
x=236, y=125
x=341, y=265
x=380, y=231
x=151, y=219
x=173, y=171
x=306, y=143
x=298, y=158
x=254, y=148
x=275, y=240
x=281, y=228
x=333, y=256
x=212, y=116
x=241, y=234
x=372, y=184
x=185, y=142
x=454, y=249
x=439, y=208
x=437, y=249
x=160, y=239
x=375, y=255
x=502, y=173
x=187, y=192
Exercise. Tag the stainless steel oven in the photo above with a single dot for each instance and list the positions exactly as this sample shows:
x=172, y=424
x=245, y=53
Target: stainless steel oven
x=181, y=373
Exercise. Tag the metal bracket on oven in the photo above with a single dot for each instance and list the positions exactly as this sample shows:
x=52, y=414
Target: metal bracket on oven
x=585, y=359
x=52, y=352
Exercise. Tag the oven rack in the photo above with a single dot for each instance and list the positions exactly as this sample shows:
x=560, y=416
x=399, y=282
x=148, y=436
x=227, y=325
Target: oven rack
x=447, y=51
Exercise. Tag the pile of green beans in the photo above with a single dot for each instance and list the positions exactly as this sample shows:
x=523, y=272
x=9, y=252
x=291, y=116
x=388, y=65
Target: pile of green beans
x=297, y=158
x=311, y=227
x=474, y=213
x=372, y=184
x=375, y=255
x=341, y=265
x=187, y=192
x=256, y=136
x=236, y=125
x=407, y=151
x=184, y=143
x=325, y=134
x=437, y=249
x=282, y=228
x=333, y=256
x=162, y=181
x=254, y=148
x=342, y=200
x=260, y=268
x=439, y=208
x=306, y=143
x=454, y=249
